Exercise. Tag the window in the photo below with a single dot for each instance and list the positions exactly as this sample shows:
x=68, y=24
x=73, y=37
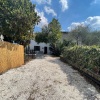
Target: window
x=37, y=48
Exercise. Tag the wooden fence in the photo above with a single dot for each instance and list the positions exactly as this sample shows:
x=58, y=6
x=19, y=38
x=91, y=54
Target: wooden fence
x=11, y=56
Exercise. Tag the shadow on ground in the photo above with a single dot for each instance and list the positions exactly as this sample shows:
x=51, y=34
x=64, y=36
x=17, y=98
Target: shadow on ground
x=76, y=79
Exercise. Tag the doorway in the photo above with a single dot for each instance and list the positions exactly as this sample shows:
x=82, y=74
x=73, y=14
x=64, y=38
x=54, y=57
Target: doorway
x=45, y=50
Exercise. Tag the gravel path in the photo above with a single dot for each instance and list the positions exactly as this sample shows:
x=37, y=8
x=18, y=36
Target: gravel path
x=45, y=78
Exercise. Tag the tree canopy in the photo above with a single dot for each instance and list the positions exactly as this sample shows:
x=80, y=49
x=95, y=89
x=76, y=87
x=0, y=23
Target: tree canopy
x=79, y=33
x=43, y=35
x=93, y=38
x=55, y=31
x=17, y=20
x=50, y=34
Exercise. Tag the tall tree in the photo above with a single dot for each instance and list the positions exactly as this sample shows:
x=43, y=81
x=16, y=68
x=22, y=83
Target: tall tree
x=54, y=31
x=79, y=34
x=43, y=35
x=50, y=34
x=93, y=38
x=54, y=37
x=17, y=20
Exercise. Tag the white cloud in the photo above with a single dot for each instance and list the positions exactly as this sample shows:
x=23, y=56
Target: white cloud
x=73, y=25
x=44, y=20
x=95, y=2
x=64, y=4
x=42, y=1
x=93, y=22
x=48, y=10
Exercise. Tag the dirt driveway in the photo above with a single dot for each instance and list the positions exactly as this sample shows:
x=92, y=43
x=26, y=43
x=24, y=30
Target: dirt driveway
x=45, y=78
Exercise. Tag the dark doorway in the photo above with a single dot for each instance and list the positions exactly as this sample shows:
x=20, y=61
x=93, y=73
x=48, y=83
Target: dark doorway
x=45, y=50
x=36, y=48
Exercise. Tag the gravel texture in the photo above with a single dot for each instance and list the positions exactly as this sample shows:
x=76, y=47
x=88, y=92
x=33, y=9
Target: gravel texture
x=45, y=78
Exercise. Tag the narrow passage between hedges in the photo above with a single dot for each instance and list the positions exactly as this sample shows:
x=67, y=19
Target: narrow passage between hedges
x=45, y=78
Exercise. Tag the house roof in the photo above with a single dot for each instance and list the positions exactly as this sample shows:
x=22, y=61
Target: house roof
x=64, y=32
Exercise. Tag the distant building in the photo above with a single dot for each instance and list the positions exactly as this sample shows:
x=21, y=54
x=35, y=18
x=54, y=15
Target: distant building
x=43, y=47
x=64, y=34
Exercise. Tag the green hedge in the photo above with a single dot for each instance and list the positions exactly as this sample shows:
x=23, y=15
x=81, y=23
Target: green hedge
x=87, y=57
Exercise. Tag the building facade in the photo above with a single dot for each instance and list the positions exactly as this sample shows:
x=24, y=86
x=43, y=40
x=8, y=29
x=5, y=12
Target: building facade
x=39, y=47
x=43, y=47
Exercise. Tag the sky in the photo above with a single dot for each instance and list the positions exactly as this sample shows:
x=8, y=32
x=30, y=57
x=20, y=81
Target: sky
x=69, y=13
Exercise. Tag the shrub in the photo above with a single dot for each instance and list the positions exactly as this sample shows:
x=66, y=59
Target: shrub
x=57, y=48
x=87, y=57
